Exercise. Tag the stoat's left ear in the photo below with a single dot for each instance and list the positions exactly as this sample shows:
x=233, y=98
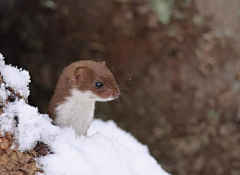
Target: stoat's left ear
x=79, y=74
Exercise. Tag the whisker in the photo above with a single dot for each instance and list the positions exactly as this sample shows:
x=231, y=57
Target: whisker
x=113, y=63
x=123, y=95
x=132, y=82
x=124, y=81
x=114, y=72
x=122, y=85
x=126, y=84
x=125, y=90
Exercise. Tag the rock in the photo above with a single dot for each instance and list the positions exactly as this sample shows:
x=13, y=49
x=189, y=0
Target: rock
x=12, y=161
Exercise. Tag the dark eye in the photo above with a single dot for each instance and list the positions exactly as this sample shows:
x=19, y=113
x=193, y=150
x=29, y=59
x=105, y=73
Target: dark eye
x=99, y=85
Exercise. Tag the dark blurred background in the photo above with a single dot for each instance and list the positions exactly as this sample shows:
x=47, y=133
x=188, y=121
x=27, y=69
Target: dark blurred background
x=182, y=58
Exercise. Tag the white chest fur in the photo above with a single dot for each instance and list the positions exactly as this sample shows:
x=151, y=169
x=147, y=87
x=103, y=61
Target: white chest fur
x=77, y=111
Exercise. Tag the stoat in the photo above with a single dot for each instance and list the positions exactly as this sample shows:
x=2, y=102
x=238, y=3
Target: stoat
x=79, y=86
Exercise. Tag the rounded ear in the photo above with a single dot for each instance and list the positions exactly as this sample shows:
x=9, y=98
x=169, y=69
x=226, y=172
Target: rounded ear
x=79, y=73
x=103, y=63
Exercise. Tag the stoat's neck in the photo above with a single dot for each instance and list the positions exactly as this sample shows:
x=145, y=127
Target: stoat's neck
x=77, y=111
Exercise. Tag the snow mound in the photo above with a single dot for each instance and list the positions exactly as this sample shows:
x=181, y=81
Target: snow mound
x=106, y=150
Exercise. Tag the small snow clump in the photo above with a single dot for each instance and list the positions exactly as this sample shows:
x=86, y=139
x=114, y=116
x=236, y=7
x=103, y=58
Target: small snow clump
x=18, y=79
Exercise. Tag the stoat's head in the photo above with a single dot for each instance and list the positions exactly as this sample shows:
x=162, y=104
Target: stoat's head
x=95, y=80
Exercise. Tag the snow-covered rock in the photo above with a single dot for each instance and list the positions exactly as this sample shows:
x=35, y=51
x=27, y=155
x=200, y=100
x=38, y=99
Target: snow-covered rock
x=106, y=150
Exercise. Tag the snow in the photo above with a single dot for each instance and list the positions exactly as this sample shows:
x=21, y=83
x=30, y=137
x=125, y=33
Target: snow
x=18, y=79
x=106, y=150
x=3, y=94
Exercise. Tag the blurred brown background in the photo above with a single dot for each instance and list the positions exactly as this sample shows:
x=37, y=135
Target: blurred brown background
x=182, y=58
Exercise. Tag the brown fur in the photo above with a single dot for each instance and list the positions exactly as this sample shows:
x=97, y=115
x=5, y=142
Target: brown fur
x=83, y=75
